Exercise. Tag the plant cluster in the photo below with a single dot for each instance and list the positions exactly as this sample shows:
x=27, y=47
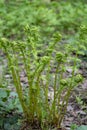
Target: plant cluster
x=45, y=69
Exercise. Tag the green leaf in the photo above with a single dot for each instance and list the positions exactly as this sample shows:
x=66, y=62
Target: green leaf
x=83, y=127
x=3, y=94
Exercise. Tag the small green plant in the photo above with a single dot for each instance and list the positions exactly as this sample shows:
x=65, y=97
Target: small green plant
x=4, y=92
x=73, y=127
x=79, y=100
x=45, y=68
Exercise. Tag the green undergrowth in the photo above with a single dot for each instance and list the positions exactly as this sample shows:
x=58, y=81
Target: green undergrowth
x=10, y=121
x=65, y=16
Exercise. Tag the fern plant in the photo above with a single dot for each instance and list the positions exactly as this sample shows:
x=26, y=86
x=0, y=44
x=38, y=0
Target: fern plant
x=45, y=68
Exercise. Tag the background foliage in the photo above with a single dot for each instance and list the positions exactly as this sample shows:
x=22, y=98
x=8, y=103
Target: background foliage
x=65, y=16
